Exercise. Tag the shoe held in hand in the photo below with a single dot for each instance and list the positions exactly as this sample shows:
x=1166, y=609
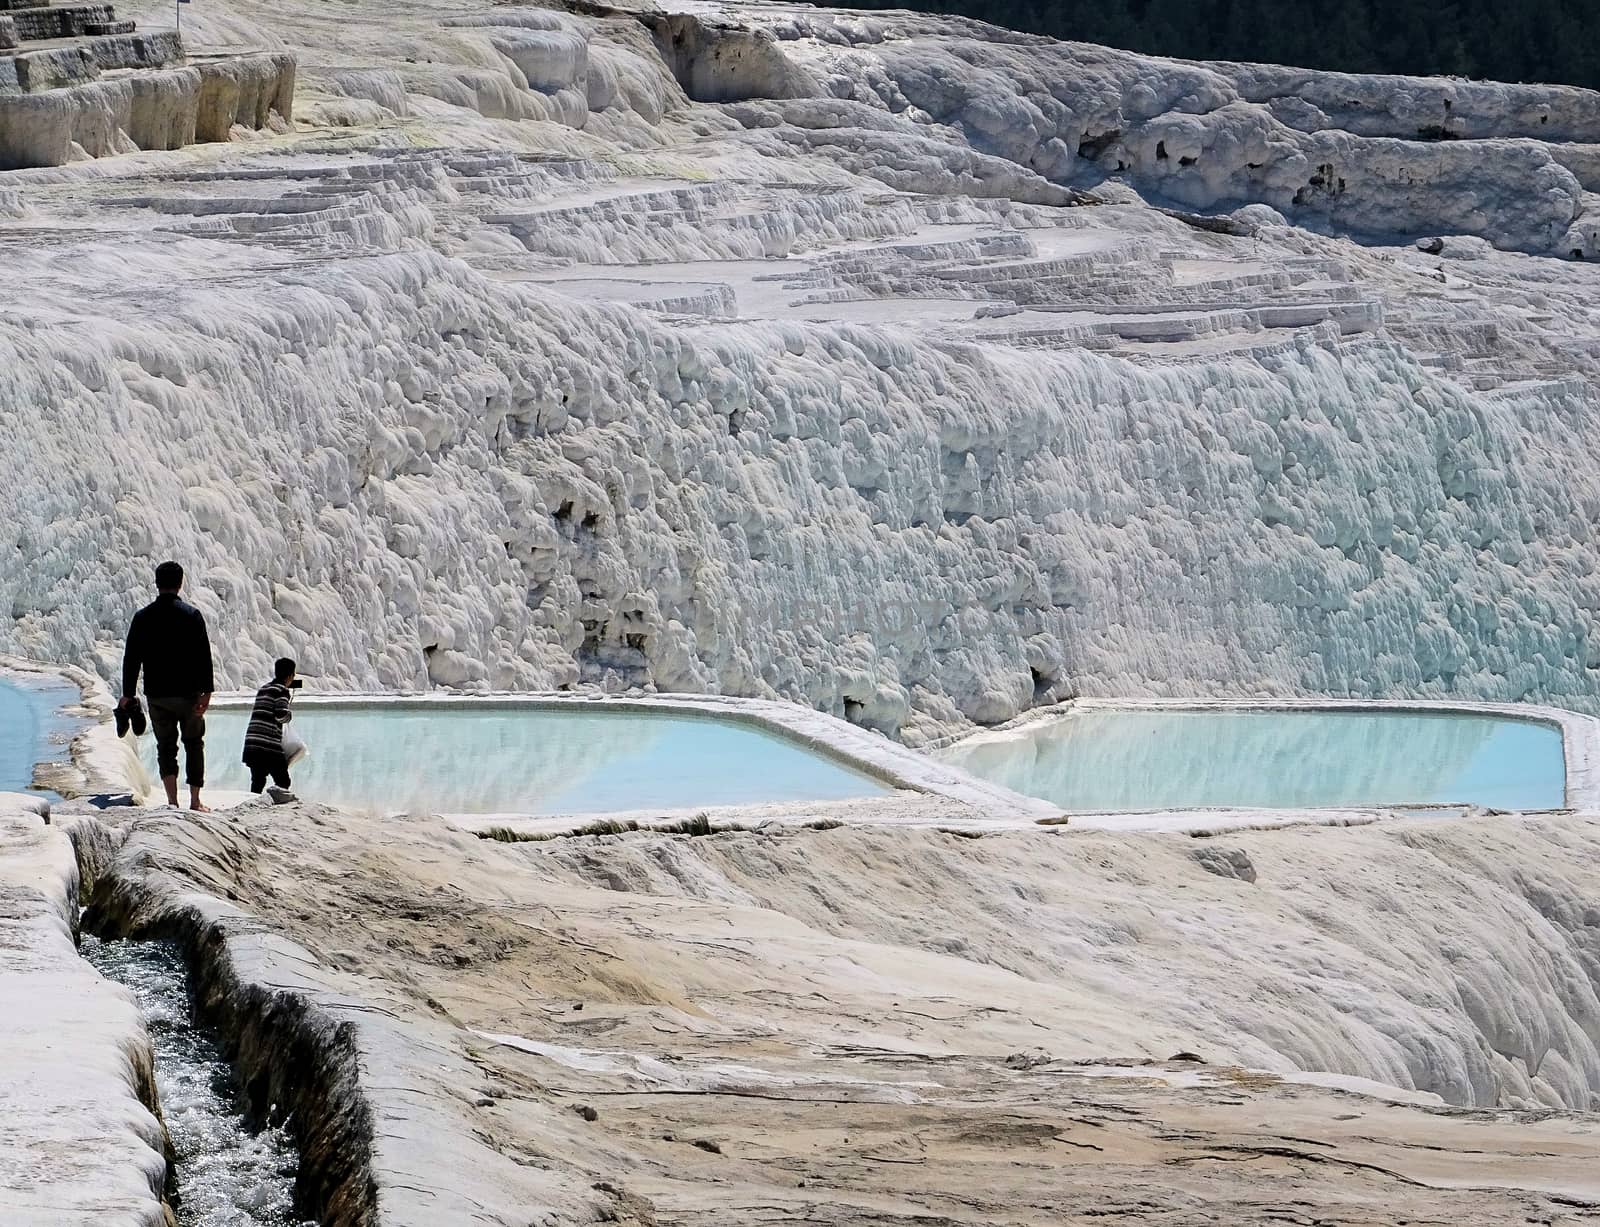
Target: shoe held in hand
x=130, y=715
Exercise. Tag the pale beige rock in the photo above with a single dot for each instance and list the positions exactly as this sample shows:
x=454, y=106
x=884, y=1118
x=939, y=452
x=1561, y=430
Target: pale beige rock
x=751, y=1028
x=78, y=1140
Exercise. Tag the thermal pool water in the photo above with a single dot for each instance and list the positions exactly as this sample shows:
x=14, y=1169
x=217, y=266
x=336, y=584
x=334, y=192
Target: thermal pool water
x=33, y=728
x=1154, y=760
x=501, y=758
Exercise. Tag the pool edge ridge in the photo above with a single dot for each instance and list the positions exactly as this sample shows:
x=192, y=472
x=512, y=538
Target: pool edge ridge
x=1580, y=742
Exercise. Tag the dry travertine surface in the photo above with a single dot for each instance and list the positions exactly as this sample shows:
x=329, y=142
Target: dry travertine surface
x=750, y=1028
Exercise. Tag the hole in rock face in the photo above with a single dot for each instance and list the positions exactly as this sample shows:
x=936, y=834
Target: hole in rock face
x=258, y=1096
x=1092, y=147
x=225, y=1173
x=1161, y=151
x=853, y=709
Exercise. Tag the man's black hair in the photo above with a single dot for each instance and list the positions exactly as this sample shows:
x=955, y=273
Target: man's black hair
x=283, y=670
x=169, y=577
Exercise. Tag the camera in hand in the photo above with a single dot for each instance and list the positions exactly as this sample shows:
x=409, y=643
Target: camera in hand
x=296, y=684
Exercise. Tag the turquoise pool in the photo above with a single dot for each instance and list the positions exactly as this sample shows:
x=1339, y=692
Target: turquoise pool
x=1109, y=760
x=33, y=728
x=504, y=759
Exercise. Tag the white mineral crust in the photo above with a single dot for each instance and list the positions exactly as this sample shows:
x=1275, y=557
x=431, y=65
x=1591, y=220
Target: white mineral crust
x=514, y=367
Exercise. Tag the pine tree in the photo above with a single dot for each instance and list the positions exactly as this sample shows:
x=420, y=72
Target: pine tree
x=1508, y=40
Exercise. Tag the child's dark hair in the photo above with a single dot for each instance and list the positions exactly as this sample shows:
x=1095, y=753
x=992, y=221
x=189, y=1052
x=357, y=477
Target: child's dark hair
x=283, y=670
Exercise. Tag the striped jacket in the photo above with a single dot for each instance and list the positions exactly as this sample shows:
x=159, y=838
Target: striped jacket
x=264, y=734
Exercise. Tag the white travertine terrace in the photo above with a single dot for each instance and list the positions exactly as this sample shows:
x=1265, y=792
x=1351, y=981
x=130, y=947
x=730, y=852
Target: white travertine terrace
x=1380, y=157
x=77, y=82
x=514, y=368
x=875, y=363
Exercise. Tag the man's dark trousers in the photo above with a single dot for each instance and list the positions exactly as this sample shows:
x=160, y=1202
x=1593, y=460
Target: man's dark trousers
x=172, y=719
x=263, y=765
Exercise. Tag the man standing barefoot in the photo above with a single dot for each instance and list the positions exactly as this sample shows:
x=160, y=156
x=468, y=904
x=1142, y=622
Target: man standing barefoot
x=168, y=641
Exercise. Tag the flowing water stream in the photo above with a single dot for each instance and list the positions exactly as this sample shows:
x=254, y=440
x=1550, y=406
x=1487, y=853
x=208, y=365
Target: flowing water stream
x=226, y=1174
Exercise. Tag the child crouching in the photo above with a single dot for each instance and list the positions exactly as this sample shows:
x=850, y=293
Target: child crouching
x=263, y=738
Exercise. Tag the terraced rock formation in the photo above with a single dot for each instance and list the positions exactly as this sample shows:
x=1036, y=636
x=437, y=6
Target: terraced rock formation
x=76, y=83
x=517, y=365
x=902, y=367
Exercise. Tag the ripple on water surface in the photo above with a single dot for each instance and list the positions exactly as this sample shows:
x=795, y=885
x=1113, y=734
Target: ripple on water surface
x=227, y=1175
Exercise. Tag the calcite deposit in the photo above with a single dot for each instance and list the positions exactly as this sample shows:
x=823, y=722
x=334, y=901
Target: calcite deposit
x=518, y=365
x=911, y=370
x=77, y=83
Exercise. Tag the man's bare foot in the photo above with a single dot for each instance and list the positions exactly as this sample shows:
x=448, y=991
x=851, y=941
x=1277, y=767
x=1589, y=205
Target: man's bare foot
x=199, y=806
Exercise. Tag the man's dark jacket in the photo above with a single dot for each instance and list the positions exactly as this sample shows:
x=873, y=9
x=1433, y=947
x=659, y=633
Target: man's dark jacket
x=168, y=641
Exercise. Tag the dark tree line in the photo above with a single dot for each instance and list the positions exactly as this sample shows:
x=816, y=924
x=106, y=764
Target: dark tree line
x=1500, y=40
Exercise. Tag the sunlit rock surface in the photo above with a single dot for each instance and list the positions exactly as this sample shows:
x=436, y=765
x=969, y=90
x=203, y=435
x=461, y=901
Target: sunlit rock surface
x=878, y=363
x=79, y=1138
x=516, y=366
x=775, y=1026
